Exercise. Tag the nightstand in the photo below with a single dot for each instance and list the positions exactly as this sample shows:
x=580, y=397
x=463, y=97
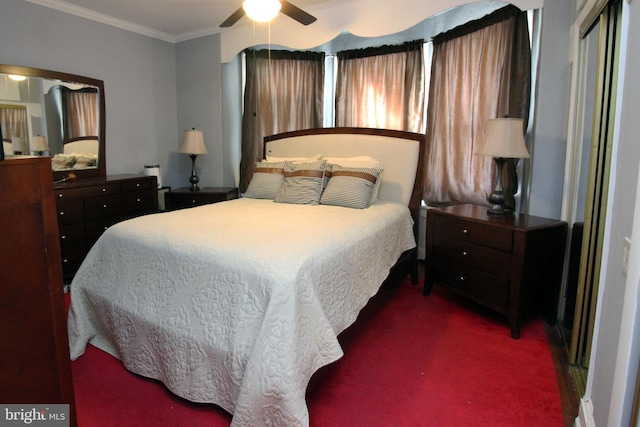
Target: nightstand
x=509, y=263
x=181, y=198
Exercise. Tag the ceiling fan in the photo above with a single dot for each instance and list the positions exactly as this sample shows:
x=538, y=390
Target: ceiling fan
x=283, y=6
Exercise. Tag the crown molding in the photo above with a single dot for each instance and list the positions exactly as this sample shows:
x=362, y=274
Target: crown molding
x=82, y=12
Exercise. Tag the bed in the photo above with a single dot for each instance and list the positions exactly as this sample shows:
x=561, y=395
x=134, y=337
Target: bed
x=238, y=303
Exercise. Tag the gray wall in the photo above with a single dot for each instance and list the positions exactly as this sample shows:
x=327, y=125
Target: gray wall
x=551, y=110
x=138, y=74
x=199, y=100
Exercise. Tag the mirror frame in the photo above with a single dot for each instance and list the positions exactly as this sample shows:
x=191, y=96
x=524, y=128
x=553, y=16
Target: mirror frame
x=101, y=170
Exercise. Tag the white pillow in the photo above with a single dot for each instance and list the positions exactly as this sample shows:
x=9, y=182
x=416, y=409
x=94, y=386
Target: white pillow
x=355, y=162
x=272, y=159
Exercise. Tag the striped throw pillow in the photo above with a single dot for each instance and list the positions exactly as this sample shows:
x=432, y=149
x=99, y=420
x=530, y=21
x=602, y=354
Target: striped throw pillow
x=302, y=183
x=350, y=187
x=266, y=181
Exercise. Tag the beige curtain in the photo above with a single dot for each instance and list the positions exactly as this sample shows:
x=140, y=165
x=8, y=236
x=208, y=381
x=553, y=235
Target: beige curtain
x=283, y=92
x=480, y=71
x=80, y=113
x=382, y=87
x=13, y=121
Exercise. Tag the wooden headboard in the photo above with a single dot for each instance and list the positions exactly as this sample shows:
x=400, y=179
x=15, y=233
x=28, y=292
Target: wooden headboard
x=401, y=154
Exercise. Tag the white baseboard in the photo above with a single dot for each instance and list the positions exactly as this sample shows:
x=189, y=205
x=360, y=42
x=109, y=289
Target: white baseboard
x=585, y=414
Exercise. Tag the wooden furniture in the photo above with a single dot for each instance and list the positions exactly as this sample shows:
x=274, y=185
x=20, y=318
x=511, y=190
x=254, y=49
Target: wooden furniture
x=35, y=366
x=87, y=207
x=47, y=78
x=509, y=263
x=181, y=198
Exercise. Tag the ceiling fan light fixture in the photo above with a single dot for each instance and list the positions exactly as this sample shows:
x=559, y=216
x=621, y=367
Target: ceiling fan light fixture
x=261, y=10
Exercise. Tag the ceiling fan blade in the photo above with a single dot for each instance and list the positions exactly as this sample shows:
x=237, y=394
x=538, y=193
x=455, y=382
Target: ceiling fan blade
x=235, y=16
x=296, y=13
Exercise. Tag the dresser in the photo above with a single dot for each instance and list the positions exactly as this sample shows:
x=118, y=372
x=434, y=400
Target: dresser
x=87, y=207
x=181, y=198
x=35, y=368
x=512, y=264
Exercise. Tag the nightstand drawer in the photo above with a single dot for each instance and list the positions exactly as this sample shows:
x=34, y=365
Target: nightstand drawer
x=492, y=291
x=495, y=237
x=182, y=198
x=464, y=253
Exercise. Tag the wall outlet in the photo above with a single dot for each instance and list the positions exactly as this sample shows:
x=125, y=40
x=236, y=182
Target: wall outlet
x=625, y=255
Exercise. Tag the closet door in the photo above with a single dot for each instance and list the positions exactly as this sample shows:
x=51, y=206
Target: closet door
x=593, y=144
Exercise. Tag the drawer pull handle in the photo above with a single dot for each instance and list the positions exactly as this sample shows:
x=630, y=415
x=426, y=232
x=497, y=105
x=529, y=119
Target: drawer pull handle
x=465, y=253
x=64, y=261
x=465, y=231
x=63, y=237
x=61, y=213
x=104, y=206
x=193, y=202
x=137, y=184
x=138, y=199
x=60, y=196
x=462, y=278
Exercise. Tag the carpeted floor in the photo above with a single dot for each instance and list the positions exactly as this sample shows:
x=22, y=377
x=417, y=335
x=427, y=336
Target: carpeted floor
x=413, y=361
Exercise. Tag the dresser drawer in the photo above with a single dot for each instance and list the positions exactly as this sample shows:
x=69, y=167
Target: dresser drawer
x=465, y=253
x=70, y=212
x=94, y=229
x=492, y=291
x=71, y=235
x=72, y=257
x=107, y=206
x=140, y=202
x=495, y=237
x=136, y=184
x=84, y=192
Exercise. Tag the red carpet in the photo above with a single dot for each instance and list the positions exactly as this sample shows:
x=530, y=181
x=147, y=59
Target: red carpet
x=417, y=361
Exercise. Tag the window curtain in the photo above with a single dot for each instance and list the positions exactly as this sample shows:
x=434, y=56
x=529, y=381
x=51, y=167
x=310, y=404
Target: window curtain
x=13, y=121
x=382, y=87
x=480, y=71
x=80, y=113
x=283, y=92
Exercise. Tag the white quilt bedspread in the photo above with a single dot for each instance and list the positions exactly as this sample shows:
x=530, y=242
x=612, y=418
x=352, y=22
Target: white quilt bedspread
x=235, y=303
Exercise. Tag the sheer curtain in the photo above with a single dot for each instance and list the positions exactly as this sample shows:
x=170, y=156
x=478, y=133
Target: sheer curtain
x=480, y=71
x=13, y=121
x=80, y=113
x=382, y=87
x=283, y=92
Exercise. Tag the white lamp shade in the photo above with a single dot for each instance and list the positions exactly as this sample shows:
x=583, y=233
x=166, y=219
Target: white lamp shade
x=19, y=145
x=504, y=138
x=39, y=143
x=193, y=143
x=261, y=10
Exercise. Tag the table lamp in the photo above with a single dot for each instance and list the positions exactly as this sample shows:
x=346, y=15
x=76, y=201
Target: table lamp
x=193, y=144
x=39, y=144
x=504, y=139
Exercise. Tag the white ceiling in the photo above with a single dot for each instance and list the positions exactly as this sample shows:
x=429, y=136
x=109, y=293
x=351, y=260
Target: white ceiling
x=170, y=20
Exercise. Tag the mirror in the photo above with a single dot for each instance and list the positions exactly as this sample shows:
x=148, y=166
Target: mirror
x=62, y=115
